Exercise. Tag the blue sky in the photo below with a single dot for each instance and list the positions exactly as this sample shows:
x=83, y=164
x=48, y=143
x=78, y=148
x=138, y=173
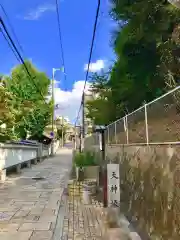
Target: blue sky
x=35, y=23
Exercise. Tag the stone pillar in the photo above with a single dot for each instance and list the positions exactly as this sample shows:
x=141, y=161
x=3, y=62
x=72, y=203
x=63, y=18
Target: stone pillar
x=3, y=175
x=3, y=157
x=35, y=161
x=18, y=168
x=29, y=164
x=39, y=152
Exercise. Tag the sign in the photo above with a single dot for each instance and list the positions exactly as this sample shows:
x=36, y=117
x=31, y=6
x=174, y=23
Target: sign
x=51, y=134
x=113, y=185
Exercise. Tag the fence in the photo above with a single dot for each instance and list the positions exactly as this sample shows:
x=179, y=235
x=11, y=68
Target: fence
x=149, y=175
x=157, y=122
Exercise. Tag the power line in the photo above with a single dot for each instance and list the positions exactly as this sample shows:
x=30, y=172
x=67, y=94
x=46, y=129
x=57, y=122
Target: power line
x=11, y=27
x=92, y=44
x=20, y=46
x=60, y=39
x=90, y=56
x=18, y=55
x=78, y=113
x=15, y=54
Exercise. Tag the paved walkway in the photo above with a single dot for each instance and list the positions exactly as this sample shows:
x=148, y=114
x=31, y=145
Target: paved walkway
x=29, y=207
x=81, y=221
x=42, y=208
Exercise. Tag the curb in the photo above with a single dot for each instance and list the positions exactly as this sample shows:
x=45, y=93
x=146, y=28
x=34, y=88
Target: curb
x=58, y=231
x=123, y=221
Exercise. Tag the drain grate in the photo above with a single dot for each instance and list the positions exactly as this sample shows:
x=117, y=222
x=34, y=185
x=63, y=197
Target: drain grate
x=38, y=178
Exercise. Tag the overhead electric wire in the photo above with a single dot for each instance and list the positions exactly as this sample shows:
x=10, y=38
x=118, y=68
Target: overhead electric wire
x=11, y=27
x=17, y=75
x=60, y=38
x=90, y=56
x=5, y=37
x=18, y=54
x=15, y=54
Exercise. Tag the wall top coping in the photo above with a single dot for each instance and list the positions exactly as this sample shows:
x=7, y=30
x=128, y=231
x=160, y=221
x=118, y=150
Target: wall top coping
x=18, y=146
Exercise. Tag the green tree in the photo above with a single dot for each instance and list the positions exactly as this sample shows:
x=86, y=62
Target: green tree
x=33, y=113
x=147, y=46
x=101, y=100
x=7, y=115
x=61, y=132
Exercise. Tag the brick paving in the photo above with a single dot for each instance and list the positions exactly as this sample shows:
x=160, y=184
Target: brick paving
x=82, y=221
x=28, y=207
x=86, y=221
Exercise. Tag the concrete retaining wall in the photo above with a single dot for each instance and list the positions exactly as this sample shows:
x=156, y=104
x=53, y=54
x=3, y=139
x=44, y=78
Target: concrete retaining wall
x=14, y=155
x=150, y=185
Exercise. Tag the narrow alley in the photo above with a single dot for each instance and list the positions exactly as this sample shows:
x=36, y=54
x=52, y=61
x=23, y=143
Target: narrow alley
x=41, y=203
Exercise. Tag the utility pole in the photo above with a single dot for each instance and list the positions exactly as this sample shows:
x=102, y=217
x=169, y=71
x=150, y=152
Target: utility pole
x=53, y=100
x=52, y=85
x=83, y=121
x=75, y=143
x=62, y=144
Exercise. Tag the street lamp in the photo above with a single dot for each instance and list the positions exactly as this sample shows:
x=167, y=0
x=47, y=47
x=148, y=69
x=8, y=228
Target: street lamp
x=54, y=70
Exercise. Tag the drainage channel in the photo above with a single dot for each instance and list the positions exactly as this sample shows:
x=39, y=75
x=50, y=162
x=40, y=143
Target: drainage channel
x=58, y=231
x=38, y=178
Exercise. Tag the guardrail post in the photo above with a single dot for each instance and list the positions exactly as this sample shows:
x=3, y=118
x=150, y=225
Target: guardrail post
x=127, y=133
x=126, y=129
x=146, y=124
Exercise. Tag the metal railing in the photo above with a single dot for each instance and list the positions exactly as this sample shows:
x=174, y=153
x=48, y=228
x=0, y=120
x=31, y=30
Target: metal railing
x=157, y=122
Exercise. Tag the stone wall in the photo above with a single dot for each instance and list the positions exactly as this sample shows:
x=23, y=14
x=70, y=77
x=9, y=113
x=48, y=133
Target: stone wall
x=14, y=154
x=150, y=185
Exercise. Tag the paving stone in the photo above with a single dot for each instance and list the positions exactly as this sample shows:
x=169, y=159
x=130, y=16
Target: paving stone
x=79, y=221
x=16, y=220
x=53, y=225
x=47, y=218
x=41, y=235
x=35, y=226
x=21, y=213
x=16, y=235
x=6, y=216
x=8, y=227
x=31, y=206
x=31, y=218
x=48, y=212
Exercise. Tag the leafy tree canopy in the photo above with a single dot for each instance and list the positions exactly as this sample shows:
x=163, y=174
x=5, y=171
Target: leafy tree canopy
x=25, y=105
x=147, y=46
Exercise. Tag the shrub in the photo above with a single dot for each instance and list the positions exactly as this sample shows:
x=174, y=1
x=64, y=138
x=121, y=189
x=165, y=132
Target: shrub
x=79, y=159
x=84, y=159
x=90, y=159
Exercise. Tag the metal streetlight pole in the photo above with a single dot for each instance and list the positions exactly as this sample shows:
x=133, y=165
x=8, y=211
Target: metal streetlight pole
x=62, y=144
x=52, y=84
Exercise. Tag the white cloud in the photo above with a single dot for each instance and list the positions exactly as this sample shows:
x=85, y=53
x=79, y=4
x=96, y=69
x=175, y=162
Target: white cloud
x=69, y=101
x=96, y=66
x=35, y=14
